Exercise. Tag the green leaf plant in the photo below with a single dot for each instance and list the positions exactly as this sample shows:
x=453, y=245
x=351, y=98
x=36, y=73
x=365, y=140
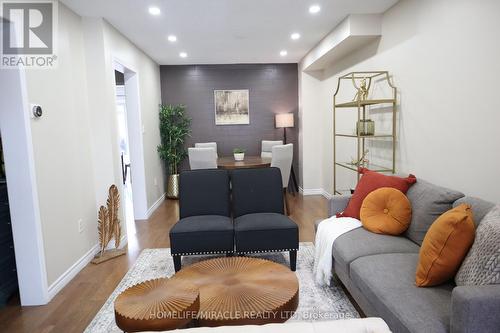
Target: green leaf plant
x=174, y=129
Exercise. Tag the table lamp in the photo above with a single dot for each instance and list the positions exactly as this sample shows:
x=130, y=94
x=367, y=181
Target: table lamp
x=284, y=120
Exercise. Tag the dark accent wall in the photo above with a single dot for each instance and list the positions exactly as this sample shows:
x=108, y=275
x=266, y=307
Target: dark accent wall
x=273, y=88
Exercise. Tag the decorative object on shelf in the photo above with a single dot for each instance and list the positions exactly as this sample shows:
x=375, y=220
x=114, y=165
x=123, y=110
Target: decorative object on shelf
x=239, y=154
x=363, y=161
x=109, y=227
x=361, y=91
x=365, y=127
x=174, y=129
x=232, y=107
x=286, y=120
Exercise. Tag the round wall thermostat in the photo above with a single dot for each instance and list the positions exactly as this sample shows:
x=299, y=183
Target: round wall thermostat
x=37, y=111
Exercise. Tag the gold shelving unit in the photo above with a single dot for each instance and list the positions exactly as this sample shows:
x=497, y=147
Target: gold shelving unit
x=362, y=106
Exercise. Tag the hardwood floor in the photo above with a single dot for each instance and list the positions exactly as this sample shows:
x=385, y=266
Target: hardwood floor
x=75, y=306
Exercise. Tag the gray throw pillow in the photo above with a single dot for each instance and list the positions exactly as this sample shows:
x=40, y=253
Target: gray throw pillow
x=428, y=202
x=480, y=207
x=482, y=263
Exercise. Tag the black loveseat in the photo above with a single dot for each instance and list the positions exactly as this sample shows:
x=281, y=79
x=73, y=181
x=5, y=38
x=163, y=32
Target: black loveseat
x=235, y=212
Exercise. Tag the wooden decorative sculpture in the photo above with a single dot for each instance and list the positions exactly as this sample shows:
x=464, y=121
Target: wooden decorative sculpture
x=109, y=227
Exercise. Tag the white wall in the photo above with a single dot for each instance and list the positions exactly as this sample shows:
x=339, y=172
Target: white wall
x=75, y=143
x=121, y=49
x=63, y=159
x=310, y=132
x=443, y=55
x=104, y=46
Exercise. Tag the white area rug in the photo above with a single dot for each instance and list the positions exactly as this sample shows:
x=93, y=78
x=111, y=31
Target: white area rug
x=315, y=302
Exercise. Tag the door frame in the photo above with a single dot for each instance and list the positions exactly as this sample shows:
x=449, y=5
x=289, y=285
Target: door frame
x=15, y=123
x=135, y=137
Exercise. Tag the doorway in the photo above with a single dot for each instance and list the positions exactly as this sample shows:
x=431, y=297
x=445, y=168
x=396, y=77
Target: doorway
x=130, y=152
x=124, y=151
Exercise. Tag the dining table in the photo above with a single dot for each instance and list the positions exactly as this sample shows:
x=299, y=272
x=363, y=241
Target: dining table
x=229, y=163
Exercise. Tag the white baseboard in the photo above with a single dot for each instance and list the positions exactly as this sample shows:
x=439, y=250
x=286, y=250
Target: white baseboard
x=315, y=191
x=155, y=206
x=67, y=276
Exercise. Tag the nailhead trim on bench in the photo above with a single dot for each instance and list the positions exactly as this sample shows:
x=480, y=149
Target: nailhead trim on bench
x=220, y=252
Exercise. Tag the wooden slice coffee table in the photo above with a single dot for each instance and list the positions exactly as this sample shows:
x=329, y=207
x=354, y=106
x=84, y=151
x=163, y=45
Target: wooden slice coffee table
x=157, y=305
x=242, y=291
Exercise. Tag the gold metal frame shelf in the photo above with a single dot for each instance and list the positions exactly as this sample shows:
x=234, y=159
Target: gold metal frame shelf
x=355, y=104
x=360, y=104
x=365, y=136
x=373, y=167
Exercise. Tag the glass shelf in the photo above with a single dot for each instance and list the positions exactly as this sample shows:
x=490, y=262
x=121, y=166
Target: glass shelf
x=372, y=167
x=355, y=104
x=365, y=136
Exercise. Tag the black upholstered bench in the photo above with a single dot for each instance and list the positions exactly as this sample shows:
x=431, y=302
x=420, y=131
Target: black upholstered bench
x=205, y=225
x=259, y=221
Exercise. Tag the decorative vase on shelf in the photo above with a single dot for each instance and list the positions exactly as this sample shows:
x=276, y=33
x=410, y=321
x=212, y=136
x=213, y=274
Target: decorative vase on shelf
x=239, y=154
x=365, y=127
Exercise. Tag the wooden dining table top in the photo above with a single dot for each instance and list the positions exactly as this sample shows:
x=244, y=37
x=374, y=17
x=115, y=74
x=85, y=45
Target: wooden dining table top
x=229, y=162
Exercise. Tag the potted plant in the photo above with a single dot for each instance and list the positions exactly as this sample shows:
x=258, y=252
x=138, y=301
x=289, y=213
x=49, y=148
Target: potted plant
x=174, y=128
x=239, y=154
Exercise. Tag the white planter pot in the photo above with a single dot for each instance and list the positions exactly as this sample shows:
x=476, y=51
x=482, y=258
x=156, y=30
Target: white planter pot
x=239, y=156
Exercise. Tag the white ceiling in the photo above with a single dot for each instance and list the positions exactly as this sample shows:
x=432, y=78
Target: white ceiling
x=225, y=31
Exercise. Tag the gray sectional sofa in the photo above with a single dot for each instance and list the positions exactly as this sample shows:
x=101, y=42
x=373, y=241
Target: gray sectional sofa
x=379, y=271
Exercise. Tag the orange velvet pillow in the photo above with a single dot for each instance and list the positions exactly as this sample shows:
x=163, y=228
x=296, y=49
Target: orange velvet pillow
x=386, y=211
x=370, y=182
x=445, y=246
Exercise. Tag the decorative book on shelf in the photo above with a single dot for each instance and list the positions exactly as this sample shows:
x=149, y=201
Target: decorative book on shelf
x=373, y=91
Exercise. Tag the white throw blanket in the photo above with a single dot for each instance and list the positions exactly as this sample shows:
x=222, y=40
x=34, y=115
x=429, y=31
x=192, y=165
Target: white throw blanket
x=328, y=231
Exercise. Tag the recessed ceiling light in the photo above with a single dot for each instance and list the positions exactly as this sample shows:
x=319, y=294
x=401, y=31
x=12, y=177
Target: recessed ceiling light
x=295, y=36
x=283, y=53
x=172, y=38
x=154, y=11
x=314, y=9
x=183, y=54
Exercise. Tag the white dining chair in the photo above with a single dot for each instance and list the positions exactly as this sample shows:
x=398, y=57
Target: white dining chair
x=267, y=147
x=207, y=145
x=282, y=158
x=202, y=158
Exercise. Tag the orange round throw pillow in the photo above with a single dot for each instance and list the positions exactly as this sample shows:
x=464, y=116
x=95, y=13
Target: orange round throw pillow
x=386, y=211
